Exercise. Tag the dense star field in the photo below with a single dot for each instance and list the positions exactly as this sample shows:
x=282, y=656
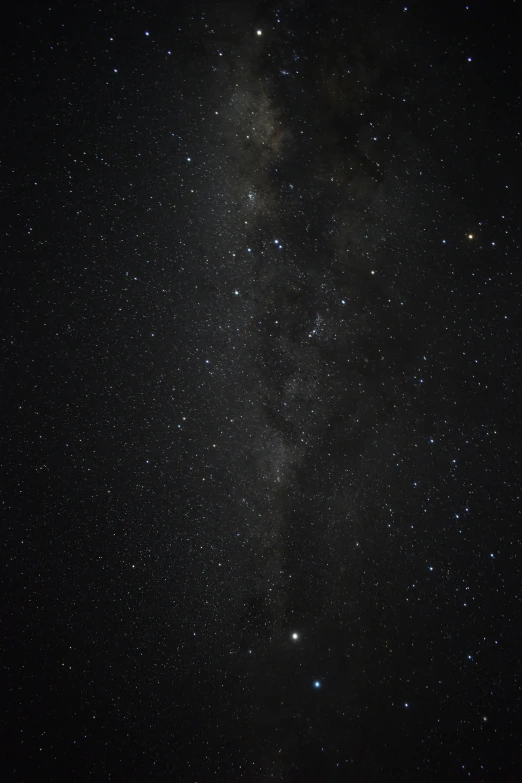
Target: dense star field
x=261, y=384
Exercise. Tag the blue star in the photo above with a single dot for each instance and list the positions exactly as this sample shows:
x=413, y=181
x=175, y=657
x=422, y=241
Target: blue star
x=317, y=684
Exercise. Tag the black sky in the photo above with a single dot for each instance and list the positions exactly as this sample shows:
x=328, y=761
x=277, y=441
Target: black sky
x=261, y=382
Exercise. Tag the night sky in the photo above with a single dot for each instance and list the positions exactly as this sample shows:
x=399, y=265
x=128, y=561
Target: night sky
x=261, y=381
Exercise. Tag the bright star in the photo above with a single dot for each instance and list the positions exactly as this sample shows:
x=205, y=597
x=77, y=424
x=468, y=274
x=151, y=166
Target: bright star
x=260, y=32
x=295, y=636
x=317, y=684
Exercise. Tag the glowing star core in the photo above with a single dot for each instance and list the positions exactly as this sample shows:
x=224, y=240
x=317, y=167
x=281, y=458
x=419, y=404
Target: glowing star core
x=317, y=684
x=295, y=636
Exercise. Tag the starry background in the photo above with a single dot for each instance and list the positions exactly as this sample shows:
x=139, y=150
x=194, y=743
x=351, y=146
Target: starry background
x=261, y=377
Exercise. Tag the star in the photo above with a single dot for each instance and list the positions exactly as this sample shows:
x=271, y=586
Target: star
x=317, y=684
x=295, y=636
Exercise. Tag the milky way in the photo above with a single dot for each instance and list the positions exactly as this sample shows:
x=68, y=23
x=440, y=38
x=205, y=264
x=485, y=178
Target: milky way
x=302, y=230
